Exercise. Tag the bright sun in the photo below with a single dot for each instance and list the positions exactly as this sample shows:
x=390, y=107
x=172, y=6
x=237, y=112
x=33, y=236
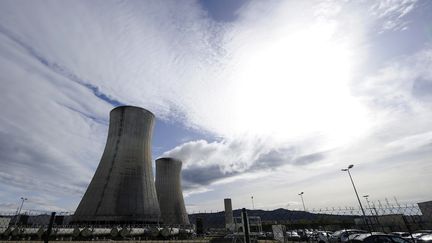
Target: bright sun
x=296, y=86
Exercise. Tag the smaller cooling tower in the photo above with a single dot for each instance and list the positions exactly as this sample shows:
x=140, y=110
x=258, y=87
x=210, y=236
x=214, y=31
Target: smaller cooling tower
x=169, y=191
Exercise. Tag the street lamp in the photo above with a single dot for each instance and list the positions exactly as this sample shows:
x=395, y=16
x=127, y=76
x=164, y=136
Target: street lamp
x=301, y=195
x=371, y=207
x=355, y=190
x=19, y=210
x=367, y=201
x=374, y=209
x=22, y=203
x=253, y=207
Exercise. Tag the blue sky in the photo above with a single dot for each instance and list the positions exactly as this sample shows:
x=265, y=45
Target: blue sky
x=262, y=98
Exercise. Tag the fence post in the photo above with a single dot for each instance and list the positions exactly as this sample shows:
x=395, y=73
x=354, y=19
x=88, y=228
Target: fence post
x=51, y=222
x=245, y=226
x=408, y=227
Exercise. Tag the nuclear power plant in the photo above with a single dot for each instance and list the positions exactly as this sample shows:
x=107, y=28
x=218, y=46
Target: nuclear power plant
x=169, y=191
x=122, y=189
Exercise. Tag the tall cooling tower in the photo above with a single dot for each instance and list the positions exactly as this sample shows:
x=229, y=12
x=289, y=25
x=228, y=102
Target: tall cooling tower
x=169, y=191
x=122, y=189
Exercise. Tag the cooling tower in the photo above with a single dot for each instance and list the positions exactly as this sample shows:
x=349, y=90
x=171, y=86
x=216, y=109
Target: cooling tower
x=122, y=189
x=169, y=191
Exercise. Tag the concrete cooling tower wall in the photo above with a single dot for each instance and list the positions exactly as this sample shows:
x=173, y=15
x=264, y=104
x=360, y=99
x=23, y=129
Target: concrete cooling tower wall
x=169, y=191
x=122, y=189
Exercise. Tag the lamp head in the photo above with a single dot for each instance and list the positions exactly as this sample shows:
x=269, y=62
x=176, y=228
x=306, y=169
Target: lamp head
x=344, y=170
x=350, y=166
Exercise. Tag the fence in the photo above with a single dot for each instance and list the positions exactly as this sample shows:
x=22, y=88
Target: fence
x=34, y=225
x=388, y=218
x=43, y=225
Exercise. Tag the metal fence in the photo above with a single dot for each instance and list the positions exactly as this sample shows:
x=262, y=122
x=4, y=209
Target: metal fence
x=379, y=217
x=59, y=226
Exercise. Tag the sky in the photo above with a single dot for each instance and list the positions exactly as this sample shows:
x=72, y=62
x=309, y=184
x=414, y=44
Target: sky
x=257, y=98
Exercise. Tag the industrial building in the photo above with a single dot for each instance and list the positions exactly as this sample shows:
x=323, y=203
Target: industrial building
x=122, y=189
x=236, y=224
x=169, y=191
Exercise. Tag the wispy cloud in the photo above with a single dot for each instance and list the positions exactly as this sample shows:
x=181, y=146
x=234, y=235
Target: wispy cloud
x=61, y=79
x=392, y=13
x=277, y=88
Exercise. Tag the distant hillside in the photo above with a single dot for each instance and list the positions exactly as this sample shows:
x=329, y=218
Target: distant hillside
x=217, y=220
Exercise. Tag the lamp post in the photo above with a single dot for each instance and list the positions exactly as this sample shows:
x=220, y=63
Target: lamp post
x=19, y=210
x=372, y=214
x=253, y=206
x=22, y=203
x=367, y=201
x=301, y=195
x=358, y=198
x=372, y=209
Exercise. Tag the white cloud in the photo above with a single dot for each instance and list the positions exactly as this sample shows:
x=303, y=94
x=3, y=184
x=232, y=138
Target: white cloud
x=249, y=83
x=398, y=138
x=398, y=92
x=228, y=161
x=413, y=142
x=53, y=126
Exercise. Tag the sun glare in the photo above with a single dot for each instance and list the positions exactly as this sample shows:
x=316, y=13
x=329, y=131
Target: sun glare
x=297, y=86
